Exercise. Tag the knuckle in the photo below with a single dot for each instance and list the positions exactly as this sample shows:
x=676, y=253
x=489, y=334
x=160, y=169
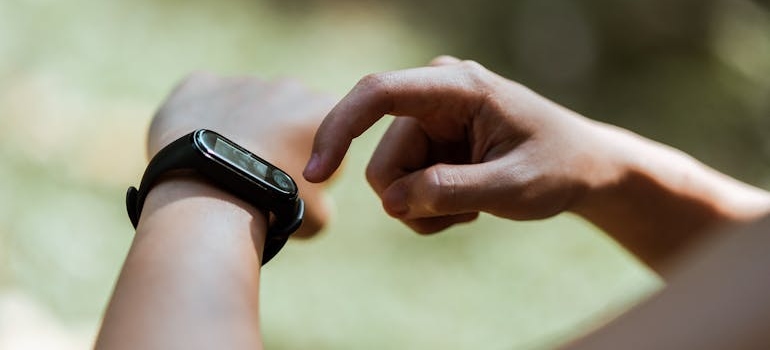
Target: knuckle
x=443, y=60
x=471, y=66
x=372, y=83
x=439, y=194
x=481, y=81
x=375, y=91
x=475, y=73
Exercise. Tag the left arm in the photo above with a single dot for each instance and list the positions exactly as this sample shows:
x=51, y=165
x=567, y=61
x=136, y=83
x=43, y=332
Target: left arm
x=191, y=278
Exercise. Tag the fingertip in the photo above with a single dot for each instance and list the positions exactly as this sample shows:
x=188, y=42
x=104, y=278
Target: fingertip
x=313, y=170
x=328, y=150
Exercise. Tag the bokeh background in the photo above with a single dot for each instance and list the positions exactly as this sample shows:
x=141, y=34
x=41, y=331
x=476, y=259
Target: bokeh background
x=80, y=79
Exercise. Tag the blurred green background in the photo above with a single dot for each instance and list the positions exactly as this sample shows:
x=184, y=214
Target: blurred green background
x=80, y=79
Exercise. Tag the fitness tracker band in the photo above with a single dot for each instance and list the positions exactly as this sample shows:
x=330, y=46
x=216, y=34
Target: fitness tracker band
x=234, y=169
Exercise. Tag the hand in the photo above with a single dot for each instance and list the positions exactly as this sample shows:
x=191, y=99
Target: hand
x=473, y=142
x=275, y=120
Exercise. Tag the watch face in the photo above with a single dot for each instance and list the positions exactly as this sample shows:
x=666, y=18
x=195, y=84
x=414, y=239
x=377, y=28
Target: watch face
x=257, y=169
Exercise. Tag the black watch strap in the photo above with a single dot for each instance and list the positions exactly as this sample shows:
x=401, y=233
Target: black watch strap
x=182, y=155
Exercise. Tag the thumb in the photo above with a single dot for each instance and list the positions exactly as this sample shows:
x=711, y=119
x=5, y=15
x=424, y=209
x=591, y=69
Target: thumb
x=444, y=189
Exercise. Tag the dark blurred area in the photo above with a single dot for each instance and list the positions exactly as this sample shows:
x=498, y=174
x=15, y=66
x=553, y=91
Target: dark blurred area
x=675, y=71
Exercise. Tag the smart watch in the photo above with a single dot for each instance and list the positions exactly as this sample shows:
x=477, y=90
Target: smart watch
x=234, y=169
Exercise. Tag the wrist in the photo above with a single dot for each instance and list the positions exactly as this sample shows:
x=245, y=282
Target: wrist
x=636, y=167
x=228, y=166
x=191, y=277
x=186, y=202
x=657, y=200
x=632, y=171
x=608, y=166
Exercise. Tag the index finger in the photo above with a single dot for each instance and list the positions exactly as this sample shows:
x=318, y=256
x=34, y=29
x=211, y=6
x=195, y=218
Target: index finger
x=449, y=91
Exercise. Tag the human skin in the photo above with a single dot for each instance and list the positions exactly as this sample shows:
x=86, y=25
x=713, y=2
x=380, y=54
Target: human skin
x=715, y=298
x=467, y=140
x=190, y=283
x=191, y=277
x=274, y=119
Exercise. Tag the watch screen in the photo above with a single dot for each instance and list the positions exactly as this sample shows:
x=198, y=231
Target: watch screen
x=253, y=166
x=240, y=159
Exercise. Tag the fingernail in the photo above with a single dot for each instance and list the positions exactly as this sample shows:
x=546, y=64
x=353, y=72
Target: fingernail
x=311, y=169
x=395, y=201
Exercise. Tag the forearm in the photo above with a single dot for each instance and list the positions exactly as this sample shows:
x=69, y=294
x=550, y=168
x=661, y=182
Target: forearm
x=662, y=199
x=191, y=277
x=716, y=299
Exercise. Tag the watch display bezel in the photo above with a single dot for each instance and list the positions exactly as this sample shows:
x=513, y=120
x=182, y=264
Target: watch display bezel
x=205, y=141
